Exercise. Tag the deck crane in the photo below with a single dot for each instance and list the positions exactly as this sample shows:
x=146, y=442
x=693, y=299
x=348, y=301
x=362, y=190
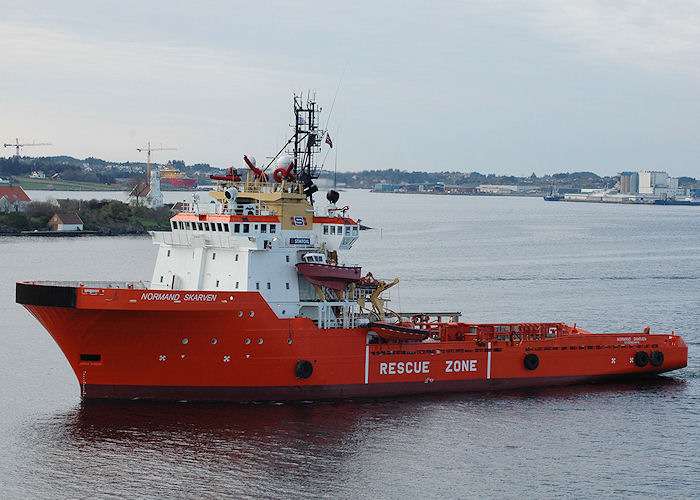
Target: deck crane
x=17, y=145
x=148, y=150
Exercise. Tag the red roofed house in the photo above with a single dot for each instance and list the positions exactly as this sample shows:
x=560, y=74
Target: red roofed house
x=13, y=199
x=66, y=222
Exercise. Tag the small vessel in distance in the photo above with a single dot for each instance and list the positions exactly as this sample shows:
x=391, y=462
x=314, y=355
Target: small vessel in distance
x=554, y=195
x=172, y=177
x=251, y=300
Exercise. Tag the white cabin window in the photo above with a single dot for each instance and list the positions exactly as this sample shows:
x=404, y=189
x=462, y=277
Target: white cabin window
x=256, y=227
x=173, y=224
x=354, y=229
x=263, y=228
x=257, y=285
x=273, y=228
x=287, y=256
x=246, y=228
x=347, y=230
x=236, y=258
x=332, y=229
x=213, y=256
x=268, y=285
x=236, y=228
x=325, y=229
x=287, y=284
x=236, y=285
x=161, y=279
x=217, y=283
x=168, y=253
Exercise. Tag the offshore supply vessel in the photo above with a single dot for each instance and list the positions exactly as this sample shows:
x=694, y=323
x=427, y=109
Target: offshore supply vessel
x=250, y=300
x=170, y=177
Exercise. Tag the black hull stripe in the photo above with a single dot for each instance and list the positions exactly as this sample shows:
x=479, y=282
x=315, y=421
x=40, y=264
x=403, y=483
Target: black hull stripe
x=321, y=392
x=45, y=295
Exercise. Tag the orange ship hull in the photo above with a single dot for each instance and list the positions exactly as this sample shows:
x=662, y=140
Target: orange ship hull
x=138, y=343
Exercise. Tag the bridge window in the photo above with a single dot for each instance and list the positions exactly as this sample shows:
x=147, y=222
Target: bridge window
x=355, y=229
x=325, y=229
x=200, y=226
x=187, y=226
x=332, y=229
x=263, y=228
x=221, y=227
x=347, y=230
x=236, y=228
x=213, y=226
x=173, y=224
x=501, y=328
x=206, y=226
x=273, y=228
x=246, y=228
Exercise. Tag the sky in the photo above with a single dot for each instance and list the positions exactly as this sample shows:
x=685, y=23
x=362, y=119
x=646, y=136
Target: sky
x=503, y=87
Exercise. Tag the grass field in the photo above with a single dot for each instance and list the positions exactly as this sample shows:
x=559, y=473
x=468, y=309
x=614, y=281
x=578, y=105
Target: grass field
x=62, y=185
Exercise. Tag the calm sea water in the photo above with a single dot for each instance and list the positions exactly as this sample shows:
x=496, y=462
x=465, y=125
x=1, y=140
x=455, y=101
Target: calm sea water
x=604, y=267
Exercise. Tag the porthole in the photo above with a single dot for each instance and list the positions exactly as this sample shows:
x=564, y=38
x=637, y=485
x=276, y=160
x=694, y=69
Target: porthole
x=184, y=341
x=247, y=341
x=213, y=341
x=240, y=314
x=260, y=341
x=289, y=341
x=252, y=313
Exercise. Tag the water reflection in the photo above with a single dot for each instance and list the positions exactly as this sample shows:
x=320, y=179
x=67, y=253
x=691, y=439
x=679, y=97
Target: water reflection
x=250, y=450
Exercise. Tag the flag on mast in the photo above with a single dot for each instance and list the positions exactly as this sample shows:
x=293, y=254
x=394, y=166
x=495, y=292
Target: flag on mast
x=328, y=139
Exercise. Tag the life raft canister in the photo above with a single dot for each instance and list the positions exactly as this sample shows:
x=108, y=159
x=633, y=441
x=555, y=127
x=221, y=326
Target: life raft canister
x=531, y=361
x=656, y=358
x=641, y=359
x=304, y=368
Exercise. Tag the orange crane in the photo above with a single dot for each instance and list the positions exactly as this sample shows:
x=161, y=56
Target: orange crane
x=148, y=149
x=17, y=145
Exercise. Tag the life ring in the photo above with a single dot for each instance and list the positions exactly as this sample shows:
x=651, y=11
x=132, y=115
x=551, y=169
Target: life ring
x=516, y=339
x=278, y=174
x=304, y=369
x=656, y=358
x=641, y=359
x=531, y=361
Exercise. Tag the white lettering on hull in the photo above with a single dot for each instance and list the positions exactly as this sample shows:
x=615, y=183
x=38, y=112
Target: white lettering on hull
x=460, y=365
x=175, y=297
x=401, y=367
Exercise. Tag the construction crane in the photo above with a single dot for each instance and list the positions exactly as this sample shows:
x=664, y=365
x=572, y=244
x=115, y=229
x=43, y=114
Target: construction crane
x=17, y=145
x=148, y=150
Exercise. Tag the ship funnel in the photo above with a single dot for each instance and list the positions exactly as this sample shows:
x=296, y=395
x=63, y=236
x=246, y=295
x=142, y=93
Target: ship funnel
x=231, y=194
